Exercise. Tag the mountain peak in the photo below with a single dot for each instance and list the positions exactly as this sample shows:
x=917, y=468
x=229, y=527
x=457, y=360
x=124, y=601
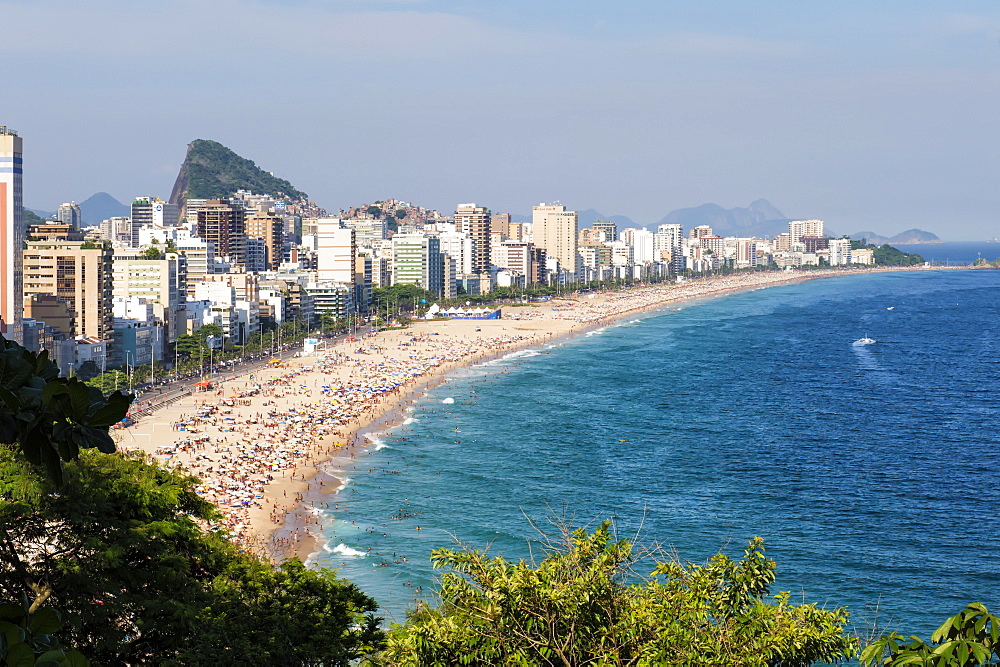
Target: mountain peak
x=212, y=171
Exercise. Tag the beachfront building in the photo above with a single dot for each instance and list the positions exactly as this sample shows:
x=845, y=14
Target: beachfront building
x=668, y=246
x=840, y=251
x=864, y=256
x=215, y=302
x=417, y=260
x=332, y=298
x=799, y=228
x=556, y=230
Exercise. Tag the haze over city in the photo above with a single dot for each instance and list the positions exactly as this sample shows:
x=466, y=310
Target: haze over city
x=870, y=117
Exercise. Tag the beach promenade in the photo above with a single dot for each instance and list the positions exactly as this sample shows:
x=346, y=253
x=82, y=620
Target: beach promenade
x=256, y=441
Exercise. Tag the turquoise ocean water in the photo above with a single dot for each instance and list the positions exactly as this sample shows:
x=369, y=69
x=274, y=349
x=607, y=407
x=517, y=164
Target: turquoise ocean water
x=871, y=472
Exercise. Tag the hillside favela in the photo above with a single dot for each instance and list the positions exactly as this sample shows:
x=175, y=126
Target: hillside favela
x=658, y=341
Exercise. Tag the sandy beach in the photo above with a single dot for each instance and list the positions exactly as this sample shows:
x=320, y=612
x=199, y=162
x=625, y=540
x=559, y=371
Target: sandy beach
x=256, y=441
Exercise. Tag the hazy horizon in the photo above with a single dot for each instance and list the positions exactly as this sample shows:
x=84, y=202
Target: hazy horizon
x=872, y=118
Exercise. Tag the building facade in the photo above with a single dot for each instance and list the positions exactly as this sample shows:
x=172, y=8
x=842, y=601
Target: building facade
x=12, y=235
x=556, y=230
x=79, y=274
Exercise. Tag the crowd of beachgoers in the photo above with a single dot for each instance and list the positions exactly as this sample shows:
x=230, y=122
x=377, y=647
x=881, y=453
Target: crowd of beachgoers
x=255, y=442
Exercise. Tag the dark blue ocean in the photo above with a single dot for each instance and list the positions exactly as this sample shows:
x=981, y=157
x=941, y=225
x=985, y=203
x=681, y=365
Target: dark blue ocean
x=871, y=472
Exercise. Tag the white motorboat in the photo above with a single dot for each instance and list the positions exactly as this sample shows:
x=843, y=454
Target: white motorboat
x=864, y=341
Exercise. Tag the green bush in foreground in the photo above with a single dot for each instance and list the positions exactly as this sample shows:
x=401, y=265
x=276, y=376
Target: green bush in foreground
x=971, y=637
x=579, y=607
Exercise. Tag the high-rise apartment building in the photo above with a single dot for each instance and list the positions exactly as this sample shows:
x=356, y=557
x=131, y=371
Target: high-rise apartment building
x=609, y=228
x=12, y=235
x=335, y=251
x=417, y=260
x=223, y=224
x=69, y=214
x=270, y=229
x=667, y=240
x=77, y=273
x=476, y=222
x=161, y=282
x=555, y=229
x=799, y=228
x=500, y=222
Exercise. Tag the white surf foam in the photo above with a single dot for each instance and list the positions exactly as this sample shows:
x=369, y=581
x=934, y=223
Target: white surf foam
x=448, y=401
x=377, y=442
x=344, y=550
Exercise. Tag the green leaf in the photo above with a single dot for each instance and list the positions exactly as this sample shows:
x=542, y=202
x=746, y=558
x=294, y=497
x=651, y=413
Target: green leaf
x=12, y=633
x=20, y=655
x=99, y=438
x=75, y=659
x=79, y=395
x=45, y=621
x=52, y=390
x=9, y=399
x=111, y=413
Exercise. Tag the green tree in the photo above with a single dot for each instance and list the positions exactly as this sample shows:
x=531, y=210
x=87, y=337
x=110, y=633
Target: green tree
x=971, y=637
x=88, y=370
x=109, y=382
x=374, y=211
x=582, y=605
x=122, y=551
x=400, y=214
x=152, y=253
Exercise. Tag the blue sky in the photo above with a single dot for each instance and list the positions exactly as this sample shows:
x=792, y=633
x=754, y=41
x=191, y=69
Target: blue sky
x=873, y=117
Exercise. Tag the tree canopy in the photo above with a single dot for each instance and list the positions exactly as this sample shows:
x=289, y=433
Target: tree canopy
x=133, y=558
x=583, y=605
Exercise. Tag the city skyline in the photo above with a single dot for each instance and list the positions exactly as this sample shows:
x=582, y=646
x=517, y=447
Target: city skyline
x=869, y=118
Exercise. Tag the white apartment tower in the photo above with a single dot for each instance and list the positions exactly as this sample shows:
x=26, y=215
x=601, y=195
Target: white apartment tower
x=12, y=236
x=799, y=228
x=335, y=251
x=668, y=240
x=556, y=229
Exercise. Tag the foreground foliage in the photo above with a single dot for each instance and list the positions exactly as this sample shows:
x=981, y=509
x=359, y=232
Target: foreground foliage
x=48, y=418
x=583, y=605
x=971, y=637
x=119, y=549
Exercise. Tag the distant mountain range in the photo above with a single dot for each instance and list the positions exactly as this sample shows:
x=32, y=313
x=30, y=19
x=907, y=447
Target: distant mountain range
x=903, y=238
x=760, y=218
x=212, y=171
